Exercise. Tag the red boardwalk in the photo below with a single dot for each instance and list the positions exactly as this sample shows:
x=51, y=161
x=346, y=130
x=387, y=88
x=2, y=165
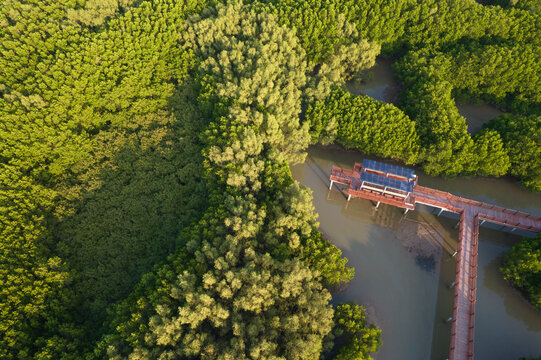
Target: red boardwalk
x=406, y=193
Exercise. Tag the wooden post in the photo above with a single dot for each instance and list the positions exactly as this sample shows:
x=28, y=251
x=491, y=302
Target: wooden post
x=330, y=186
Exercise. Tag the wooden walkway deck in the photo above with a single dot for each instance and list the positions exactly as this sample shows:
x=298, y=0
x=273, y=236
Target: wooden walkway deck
x=472, y=213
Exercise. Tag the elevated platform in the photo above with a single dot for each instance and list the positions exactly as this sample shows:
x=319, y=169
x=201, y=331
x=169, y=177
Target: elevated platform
x=368, y=185
x=406, y=194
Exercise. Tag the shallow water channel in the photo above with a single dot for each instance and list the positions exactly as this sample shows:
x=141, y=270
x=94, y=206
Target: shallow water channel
x=403, y=264
x=378, y=83
x=477, y=114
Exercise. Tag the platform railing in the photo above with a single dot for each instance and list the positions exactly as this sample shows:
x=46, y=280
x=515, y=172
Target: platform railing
x=338, y=171
x=471, y=212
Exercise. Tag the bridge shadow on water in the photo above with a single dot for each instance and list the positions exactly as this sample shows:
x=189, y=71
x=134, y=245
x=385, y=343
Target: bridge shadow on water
x=429, y=240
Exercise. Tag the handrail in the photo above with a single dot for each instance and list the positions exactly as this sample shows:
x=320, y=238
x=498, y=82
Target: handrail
x=471, y=212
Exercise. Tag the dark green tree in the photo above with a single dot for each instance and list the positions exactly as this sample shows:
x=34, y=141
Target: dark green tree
x=358, y=338
x=521, y=137
x=522, y=268
x=365, y=124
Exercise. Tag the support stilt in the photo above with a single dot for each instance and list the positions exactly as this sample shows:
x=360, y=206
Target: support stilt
x=472, y=213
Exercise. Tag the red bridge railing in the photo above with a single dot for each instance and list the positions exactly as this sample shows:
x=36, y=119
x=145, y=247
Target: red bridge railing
x=471, y=211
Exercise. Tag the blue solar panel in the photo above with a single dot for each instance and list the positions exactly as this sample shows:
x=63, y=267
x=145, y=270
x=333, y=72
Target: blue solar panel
x=388, y=168
x=388, y=182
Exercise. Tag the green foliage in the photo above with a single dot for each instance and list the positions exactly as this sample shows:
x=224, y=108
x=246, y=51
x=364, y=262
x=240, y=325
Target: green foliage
x=320, y=255
x=60, y=87
x=533, y=5
x=501, y=74
x=401, y=25
x=260, y=67
x=521, y=137
x=327, y=36
x=243, y=295
x=93, y=87
x=496, y=72
x=490, y=153
x=359, y=339
x=522, y=268
x=106, y=151
x=30, y=280
x=95, y=12
x=365, y=124
x=143, y=187
x=33, y=36
x=242, y=303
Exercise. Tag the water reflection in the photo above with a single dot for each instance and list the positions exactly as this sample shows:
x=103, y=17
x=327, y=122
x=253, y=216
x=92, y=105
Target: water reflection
x=404, y=268
x=506, y=325
x=396, y=257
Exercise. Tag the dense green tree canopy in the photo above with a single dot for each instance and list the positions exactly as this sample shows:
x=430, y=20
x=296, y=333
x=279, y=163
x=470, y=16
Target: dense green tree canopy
x=365, y=124
x=245, y=296
x=352, y=328
x=52, y=110
x=506, y=75
x=129, y=134
x=522, y=139
x=522, y=268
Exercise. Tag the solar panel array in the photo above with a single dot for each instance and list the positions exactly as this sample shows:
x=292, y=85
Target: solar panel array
x=388, y=168
x=388, y=182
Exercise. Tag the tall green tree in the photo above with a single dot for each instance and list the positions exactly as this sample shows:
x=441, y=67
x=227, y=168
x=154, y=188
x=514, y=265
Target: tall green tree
x=490, y=153
x=521, y=137
x=359, y=338
x=522, y=268
x=244, y=295
x=365, y=124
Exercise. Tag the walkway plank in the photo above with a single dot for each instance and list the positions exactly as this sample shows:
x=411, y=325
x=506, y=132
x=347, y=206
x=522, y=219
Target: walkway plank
x=471, y=212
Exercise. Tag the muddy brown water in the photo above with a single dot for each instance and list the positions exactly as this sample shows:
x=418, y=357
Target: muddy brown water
x=477, y=114
x=404, y=266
